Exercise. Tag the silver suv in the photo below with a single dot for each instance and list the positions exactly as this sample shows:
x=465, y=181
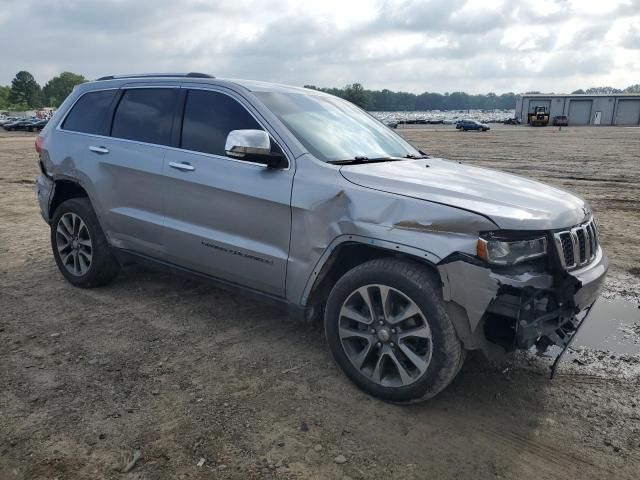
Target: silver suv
x=303, y=198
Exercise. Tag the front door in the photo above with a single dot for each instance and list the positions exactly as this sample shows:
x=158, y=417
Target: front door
x=225, y=217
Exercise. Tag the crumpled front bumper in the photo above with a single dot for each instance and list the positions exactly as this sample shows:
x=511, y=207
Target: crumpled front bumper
x=591, y=280
x=498, y=311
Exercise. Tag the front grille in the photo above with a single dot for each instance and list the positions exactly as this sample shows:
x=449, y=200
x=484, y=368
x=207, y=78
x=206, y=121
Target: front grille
x=567, y=245
x=582, y=244
x=577, y=247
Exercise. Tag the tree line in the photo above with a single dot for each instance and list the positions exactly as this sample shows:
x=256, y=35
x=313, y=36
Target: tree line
x=608, y=90
x=386, y=100
x=25, y=93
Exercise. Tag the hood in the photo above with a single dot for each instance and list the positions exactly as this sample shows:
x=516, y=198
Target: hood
x=510, y=201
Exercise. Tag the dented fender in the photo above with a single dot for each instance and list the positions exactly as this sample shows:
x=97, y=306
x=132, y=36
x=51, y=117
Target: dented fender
x=328, y=210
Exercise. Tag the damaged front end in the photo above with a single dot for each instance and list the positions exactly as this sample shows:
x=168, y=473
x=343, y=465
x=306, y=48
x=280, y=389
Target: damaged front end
x=541, y=302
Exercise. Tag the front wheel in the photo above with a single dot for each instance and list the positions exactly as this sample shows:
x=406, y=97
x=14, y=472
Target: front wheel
x=388, y=330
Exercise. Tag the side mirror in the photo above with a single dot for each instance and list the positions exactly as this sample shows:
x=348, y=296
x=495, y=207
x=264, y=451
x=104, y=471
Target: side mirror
x=253, y=145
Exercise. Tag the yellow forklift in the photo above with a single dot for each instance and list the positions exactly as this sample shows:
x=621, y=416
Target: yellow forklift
x=539, y=118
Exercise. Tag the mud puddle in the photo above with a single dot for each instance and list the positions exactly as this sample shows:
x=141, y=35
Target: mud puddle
x=612, y=330
x=613, y=326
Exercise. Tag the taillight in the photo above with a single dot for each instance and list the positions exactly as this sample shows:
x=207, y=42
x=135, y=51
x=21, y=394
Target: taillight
x=39, y=141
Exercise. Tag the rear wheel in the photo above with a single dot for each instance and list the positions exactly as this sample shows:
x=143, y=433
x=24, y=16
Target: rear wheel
x=79, y=246
x=389, y=332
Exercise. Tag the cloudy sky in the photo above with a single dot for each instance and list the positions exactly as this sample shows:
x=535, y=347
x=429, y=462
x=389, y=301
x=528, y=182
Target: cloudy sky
x=476, y=45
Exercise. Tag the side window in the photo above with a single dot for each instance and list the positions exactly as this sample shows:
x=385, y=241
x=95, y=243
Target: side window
x=145, y=115
x=208, y=119
x=89, y=113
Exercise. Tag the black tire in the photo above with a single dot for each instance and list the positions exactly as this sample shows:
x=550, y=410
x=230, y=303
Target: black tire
x=419, y=284
x=104, y=267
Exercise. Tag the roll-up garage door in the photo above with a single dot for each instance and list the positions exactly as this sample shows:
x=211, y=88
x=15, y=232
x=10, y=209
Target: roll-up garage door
x=579, y=112
x=628, y=112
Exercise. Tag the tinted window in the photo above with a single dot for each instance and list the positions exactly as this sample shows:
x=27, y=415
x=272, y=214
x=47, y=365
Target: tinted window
x=145, y=115
x=89, y=113
x=208, y=119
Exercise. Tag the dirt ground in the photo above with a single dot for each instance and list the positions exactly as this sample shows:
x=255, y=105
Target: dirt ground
x=208, y=384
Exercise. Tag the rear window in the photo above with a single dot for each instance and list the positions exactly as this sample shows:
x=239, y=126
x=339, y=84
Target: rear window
x=89, y=113
x=145, y=115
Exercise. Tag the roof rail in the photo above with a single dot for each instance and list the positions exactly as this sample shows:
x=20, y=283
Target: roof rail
x=152, y=75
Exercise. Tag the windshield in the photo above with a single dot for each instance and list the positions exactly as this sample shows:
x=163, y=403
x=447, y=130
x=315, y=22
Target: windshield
x=333, y=129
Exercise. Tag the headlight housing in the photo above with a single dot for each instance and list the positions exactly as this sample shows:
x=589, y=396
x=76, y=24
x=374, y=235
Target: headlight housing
x=511, y=252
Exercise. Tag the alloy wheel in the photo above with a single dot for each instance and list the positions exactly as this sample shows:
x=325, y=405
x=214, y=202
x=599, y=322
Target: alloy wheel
x=73, y=242
x=385, y=335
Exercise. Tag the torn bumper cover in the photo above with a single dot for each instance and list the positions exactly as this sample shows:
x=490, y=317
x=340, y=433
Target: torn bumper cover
x=500, y=310
x=44, y=188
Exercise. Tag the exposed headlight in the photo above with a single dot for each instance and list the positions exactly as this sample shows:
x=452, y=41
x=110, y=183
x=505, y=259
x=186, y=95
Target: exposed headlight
x=507, y=252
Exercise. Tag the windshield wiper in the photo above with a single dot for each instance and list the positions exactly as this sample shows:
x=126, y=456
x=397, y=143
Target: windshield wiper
x=361, y=159
x=415, y=157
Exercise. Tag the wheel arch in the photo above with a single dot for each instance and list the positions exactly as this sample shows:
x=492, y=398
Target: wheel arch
x=63, y=190
x=349, y=251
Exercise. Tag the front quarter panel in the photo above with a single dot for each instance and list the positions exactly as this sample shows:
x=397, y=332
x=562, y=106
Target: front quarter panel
x=328, y=210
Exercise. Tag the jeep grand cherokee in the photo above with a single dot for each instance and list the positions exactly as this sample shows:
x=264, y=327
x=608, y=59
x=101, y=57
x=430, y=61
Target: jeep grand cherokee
x=305, y=199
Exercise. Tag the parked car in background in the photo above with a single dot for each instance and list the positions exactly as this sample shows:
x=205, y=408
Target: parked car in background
x=561, y=121
x=303, y=198
x=465, y=125
x=37, y=125
x=391, y=124
x=6, y=120
x=19, y=124
x=24, y=124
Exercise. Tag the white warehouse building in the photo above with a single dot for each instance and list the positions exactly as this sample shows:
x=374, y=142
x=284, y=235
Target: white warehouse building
x=614, y=109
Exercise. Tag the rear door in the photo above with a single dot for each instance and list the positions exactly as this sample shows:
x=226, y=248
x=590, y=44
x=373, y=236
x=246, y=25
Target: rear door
x=129, y=183
x=225, y=217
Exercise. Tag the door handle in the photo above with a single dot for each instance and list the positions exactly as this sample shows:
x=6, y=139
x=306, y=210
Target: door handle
x=182, y=166
x=101, y=150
